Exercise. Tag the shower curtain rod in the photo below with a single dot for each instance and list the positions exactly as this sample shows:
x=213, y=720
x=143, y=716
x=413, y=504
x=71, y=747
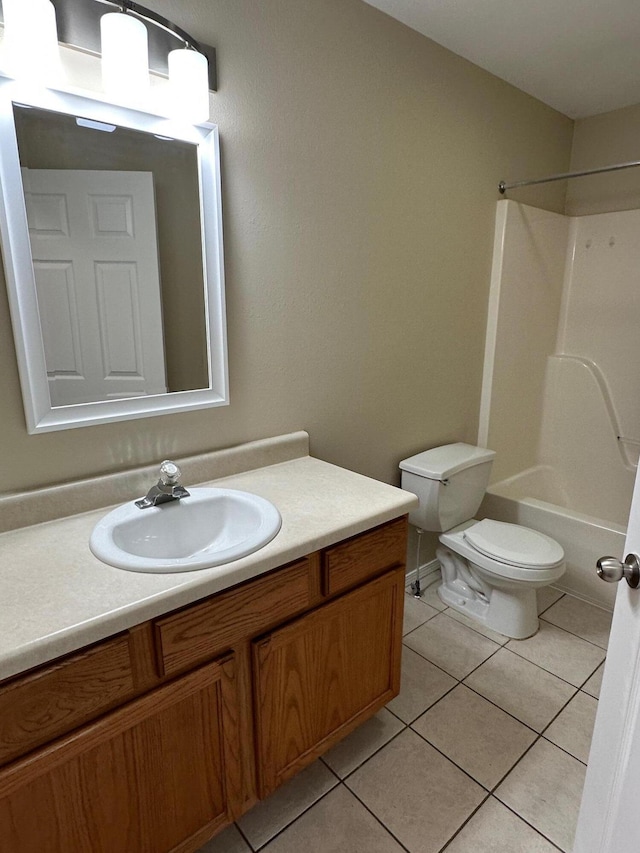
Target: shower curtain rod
x=503, y=186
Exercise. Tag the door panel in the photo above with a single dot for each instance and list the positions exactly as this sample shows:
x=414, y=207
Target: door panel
x=95, y=255
x=608, y=820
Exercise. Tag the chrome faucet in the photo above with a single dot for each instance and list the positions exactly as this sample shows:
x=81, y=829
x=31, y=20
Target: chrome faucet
x=167, y=488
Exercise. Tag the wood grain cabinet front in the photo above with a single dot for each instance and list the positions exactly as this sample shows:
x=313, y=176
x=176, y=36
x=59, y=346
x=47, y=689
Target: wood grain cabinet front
x=320, y=676
x=158, y=775
x=202, y=630
x=358, y=559
x=55, y=699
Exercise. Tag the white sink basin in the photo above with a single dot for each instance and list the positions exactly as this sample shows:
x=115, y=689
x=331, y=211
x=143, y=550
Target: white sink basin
x=208, y=528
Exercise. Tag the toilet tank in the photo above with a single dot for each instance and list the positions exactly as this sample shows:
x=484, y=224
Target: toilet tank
x=450, y=482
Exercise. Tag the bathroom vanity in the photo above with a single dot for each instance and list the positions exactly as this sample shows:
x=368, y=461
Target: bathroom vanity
x=155, y=735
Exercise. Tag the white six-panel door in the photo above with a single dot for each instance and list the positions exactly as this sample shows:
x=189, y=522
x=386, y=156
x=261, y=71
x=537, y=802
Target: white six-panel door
x=608, y=821
x=95, y=256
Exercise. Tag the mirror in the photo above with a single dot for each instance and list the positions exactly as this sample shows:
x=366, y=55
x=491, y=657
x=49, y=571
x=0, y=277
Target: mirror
x=112, y=243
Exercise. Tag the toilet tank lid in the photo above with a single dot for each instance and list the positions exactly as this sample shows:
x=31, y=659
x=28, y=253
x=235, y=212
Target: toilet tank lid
x=441, y=462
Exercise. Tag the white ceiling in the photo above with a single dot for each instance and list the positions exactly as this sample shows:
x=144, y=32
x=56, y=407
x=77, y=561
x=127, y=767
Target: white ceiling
x=581, y=57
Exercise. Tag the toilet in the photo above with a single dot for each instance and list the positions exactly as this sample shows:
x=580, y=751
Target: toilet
x=490, y=570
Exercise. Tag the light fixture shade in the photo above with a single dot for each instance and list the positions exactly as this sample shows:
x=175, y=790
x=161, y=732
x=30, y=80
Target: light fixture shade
x=189, y=84
x=125, y=56
x=30, y=48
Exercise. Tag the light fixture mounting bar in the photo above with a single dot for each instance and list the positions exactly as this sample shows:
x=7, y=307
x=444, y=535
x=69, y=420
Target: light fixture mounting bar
x=79, y=26
x=157, y=20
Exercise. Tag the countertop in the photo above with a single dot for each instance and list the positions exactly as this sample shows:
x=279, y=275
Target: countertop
x=55, y=596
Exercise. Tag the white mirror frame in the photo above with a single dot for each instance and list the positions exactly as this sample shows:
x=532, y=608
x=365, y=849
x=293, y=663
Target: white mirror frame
x=21, y=285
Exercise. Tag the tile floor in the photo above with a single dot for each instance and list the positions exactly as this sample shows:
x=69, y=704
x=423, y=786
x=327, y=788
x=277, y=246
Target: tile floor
x=483, y=751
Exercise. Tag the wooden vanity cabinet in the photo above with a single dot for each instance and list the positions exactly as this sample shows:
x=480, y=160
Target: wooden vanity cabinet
x=158, y=774
x=154, y=740
x=320, y=676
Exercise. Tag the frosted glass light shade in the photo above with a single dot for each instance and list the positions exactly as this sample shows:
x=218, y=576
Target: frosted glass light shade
x=125, y=56
x=30, y=48
x=189, y=84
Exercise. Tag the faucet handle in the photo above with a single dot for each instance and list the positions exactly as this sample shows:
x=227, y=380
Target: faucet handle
x=169, y=473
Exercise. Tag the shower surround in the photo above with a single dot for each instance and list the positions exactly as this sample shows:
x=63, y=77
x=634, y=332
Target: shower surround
x=561, y=395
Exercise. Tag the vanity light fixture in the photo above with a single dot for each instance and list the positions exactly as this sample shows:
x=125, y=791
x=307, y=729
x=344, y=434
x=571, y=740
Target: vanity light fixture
x=125, y=60
x=30, y=44
x=131, y=39
x=125, y=55
x=189, y=84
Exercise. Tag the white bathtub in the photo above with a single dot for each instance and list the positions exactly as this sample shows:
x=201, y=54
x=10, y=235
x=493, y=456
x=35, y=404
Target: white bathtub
x=535, y=498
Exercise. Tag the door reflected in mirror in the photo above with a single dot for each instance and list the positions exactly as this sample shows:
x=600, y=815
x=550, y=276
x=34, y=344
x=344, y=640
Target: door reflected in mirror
x=114, y=227
x=112, y=245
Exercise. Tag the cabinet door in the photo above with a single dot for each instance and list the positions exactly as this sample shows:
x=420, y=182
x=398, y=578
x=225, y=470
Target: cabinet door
x=319, y=677
x=157, y=775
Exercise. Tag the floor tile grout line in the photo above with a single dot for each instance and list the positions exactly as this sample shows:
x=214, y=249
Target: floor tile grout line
x=529, y=824
x=485, y=790
x=455, y=764
x=464, y=625
x=553, y=603
x=474, y=627
x=495, y=795
x=375, y=816
x=509, y=713
x=375, y=752
x=553, y=719
x=573, y=634
x=428, y=619
x=462, y=825
x=591, y=676
x=511, y=769
x=575, y=688
x=491, y=796
x=562, y=749
x=491, y=790
x=433, y=663
x=489, y=793
x=243, y=836
x=582, y=601
x=450, y=674
x=544, y=669
x=428, y=708
x=296, y=818
x=538, y=736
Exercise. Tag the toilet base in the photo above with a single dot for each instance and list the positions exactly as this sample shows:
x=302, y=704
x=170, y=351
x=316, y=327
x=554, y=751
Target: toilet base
x=508, y=606
x=514, y=615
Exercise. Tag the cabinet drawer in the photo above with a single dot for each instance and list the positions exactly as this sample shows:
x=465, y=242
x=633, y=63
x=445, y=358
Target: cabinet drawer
x=351, y=562
x=56, y=699
x=200, y=631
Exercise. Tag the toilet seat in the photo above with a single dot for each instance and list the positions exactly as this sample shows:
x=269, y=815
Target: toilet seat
x=514, y=545
x=459, y=541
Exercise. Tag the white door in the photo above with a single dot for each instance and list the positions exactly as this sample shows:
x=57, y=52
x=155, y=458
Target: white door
x=95, y=257
x=608, y=821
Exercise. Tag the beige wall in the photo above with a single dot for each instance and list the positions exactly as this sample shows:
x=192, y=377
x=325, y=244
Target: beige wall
x=603, y=140
x=360, y=165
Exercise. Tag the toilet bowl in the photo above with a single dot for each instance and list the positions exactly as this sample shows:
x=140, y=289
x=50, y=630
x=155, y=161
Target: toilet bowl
x=490, y=570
